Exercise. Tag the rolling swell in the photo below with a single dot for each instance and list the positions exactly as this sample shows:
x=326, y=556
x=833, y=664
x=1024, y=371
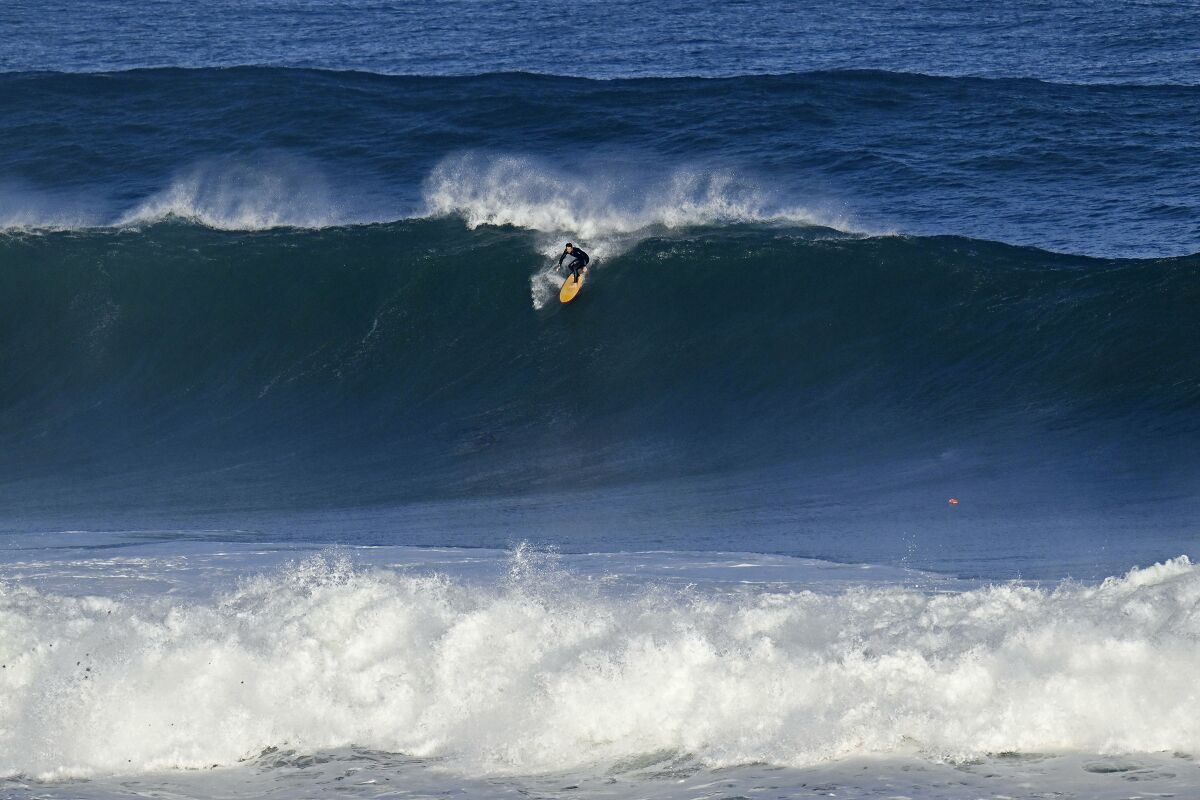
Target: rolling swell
x=1097, y=170
x=404, y=362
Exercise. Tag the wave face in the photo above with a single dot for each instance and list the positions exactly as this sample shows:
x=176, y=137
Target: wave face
x=258, y=288
x=547, y=671
x=1096, y=170
x=827, y=376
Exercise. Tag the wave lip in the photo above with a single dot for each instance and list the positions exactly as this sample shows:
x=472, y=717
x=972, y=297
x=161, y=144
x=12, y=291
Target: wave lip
x=490, y=189
x=547, y=670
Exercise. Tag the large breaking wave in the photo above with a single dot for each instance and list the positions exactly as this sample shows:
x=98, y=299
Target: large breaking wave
x=552, y=671
x=283, y=288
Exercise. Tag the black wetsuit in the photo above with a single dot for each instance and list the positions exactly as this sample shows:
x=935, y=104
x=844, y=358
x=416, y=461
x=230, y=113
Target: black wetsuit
x=581, y=260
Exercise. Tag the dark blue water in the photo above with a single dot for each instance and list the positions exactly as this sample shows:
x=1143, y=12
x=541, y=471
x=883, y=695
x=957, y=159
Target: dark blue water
x=1067, y=41
x=852, y=263
x=1081, y=169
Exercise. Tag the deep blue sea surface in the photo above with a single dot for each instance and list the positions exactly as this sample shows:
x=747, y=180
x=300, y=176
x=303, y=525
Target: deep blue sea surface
x=279, y=275
x=1144, y=42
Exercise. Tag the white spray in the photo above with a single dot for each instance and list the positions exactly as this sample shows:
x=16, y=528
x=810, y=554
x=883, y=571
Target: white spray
x=545, y=671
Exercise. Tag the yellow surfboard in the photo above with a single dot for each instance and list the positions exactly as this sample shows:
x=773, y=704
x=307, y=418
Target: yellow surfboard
x=571, y=287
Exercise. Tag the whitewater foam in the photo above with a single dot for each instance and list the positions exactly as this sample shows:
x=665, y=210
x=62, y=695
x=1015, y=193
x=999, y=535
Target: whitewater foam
x=547, y=670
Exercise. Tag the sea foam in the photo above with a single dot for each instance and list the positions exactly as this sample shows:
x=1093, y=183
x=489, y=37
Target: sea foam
x=547, y=670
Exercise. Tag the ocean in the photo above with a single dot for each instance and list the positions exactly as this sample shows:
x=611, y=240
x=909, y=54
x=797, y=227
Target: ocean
x=865, y=464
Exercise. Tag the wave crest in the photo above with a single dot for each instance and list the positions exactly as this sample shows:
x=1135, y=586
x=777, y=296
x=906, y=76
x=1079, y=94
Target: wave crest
x=589, y=203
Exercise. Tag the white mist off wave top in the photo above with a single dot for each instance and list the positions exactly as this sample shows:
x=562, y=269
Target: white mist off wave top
x=601, y=202
x=548, y=671
x=237, y=194
x=270, y=189
x=259, y=192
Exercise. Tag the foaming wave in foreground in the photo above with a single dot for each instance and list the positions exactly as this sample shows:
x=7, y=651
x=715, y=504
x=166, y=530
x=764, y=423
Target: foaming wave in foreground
x=544, y=670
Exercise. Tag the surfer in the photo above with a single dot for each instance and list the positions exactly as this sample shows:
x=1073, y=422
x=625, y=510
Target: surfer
x=581, y=259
